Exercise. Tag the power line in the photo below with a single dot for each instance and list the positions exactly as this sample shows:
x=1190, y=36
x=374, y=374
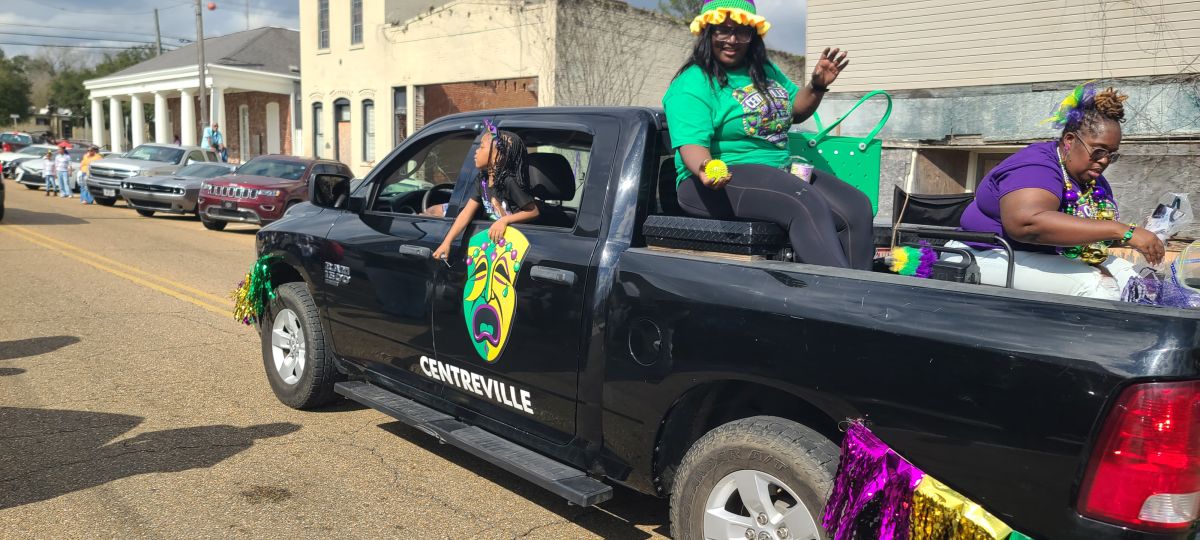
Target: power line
x=63, y=46
x=92, y=30
x=113, y=40
x=41, y=3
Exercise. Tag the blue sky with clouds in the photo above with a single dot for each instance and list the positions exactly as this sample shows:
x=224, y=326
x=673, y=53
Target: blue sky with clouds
x=131, y=22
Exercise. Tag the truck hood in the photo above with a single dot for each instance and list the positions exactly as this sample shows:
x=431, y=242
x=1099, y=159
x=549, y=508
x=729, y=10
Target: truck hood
x=143, y=167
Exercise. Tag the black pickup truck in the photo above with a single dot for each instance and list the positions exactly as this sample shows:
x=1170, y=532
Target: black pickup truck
x=605, y=343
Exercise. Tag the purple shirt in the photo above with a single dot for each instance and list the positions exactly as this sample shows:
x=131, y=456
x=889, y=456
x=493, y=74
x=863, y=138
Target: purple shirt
x=1035, y=166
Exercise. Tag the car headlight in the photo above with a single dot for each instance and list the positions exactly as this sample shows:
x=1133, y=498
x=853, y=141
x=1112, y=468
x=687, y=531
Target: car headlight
x=268, y=193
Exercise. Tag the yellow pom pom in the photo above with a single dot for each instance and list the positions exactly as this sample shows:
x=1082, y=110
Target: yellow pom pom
x=716, y=170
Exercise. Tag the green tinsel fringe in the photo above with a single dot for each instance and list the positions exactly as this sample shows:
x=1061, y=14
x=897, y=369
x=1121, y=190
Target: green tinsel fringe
x=253, y=293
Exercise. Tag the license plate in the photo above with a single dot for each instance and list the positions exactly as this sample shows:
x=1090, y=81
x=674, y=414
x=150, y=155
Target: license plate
x=228, y=205
x=109, y=192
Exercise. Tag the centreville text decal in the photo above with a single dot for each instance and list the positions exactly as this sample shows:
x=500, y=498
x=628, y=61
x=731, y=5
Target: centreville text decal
x=484, y=386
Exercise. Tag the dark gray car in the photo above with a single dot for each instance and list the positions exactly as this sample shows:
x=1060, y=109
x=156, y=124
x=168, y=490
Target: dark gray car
x=174, y=194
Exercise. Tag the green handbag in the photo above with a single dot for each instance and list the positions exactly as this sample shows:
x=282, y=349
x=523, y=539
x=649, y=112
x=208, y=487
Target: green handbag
x=854, y=160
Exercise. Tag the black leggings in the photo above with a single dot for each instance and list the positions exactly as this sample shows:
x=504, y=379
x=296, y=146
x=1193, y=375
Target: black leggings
x=828, y=221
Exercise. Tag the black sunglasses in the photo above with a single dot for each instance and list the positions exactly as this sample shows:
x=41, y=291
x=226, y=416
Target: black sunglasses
x=733, y=34
x=1098, y=154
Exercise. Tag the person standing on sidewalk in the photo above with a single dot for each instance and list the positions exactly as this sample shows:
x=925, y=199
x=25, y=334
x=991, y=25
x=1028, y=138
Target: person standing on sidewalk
x=214, y=140
x=62, y=168
x=85, y=196
x=48, y=172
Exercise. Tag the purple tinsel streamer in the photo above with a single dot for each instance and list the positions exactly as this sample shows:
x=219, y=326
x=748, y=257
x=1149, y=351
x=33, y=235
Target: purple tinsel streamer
x=869, y=470
x=928, y=257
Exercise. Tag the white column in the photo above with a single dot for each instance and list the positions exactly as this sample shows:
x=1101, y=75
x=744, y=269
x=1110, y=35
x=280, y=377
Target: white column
x=187, y=118
x=410, y=105
x=137, y=120
x=162, y=119
x=97, y=122
x=217, y=109
x=116, y=125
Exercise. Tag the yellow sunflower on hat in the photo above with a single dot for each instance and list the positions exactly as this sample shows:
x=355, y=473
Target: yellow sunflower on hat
x=739, y=11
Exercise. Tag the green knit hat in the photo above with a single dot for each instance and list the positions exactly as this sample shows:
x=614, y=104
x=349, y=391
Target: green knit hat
x=739, y=11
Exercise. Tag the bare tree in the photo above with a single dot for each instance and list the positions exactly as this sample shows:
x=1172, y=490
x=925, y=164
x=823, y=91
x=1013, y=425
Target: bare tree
x=608, y=52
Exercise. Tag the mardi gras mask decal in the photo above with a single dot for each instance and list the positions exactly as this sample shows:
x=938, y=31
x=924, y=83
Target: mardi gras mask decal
x=490, y=295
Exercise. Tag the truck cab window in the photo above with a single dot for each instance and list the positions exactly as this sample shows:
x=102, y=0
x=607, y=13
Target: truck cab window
x=436, y=162
x=558, y=165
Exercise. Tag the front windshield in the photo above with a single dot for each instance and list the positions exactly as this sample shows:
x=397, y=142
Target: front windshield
x=156, y=153
x=203, y=170
x=76, y=155
x=274, y=168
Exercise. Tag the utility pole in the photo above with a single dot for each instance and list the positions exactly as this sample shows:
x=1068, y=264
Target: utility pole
x=200, y=52
x=157, y=33
x=247, y=14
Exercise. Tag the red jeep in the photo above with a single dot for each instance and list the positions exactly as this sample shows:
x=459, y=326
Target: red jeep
x=261, y=190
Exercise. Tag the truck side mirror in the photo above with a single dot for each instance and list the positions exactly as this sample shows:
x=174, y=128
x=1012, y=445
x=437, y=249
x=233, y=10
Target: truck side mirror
x=329, y=190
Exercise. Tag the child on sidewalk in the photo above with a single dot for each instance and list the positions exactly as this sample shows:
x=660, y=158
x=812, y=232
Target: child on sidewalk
x=48, y=172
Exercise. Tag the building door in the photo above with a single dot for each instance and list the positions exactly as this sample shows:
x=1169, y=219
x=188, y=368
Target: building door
x=244, y=152
x=273, y=128
x=341, y=116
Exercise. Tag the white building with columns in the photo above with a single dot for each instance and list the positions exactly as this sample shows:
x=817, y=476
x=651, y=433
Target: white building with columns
x=252, y=82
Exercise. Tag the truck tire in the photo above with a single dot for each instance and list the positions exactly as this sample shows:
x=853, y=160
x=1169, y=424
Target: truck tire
x=31, y=186
x=757, y=475
x=212, y=224
x=299, y=365
x=145, y=213
x=105, y=201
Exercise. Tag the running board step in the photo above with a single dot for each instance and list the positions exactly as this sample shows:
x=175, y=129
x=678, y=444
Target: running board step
x=563, y=480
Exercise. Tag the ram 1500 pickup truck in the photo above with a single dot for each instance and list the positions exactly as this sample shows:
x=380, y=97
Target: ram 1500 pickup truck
x=609, y=342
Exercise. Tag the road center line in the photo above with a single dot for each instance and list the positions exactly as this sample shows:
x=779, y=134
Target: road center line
x=125, y=267
x=22, y=234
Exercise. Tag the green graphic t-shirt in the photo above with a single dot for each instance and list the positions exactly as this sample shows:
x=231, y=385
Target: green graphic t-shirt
x=737, y=123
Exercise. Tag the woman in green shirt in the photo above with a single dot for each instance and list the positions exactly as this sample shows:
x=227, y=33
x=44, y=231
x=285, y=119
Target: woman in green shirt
x=731, y=105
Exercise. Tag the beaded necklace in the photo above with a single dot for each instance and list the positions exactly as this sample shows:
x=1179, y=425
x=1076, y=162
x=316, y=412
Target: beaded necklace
x=1094, y=202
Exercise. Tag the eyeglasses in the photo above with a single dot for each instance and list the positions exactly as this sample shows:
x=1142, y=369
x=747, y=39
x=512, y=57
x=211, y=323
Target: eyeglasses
x=1099, y=153
x=733, y=34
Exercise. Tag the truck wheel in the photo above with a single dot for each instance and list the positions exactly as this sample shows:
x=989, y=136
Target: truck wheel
x=759, y=477
x=104, y=201
x=31, y=186
x=299, y=366
x=212, y=224
x=145, y=213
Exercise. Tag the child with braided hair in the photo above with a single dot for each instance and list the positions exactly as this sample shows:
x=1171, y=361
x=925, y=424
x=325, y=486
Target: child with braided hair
x=501, y=188
x=1052, y=202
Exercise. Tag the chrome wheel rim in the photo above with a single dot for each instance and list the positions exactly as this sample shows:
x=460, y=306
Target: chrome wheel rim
x=288, y=346
x=750, y=504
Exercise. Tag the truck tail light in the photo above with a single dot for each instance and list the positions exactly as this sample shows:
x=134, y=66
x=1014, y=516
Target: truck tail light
x=1144, y=471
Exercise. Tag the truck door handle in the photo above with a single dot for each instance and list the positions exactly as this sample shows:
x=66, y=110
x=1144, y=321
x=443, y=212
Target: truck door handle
x=553, y=275
x=419, y=252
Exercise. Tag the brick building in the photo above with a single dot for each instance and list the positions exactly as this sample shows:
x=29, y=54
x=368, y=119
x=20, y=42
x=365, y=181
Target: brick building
x=250, y=81
x=374, y=71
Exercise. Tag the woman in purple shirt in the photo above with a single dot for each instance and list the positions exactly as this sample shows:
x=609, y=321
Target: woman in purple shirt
x=1053, y=203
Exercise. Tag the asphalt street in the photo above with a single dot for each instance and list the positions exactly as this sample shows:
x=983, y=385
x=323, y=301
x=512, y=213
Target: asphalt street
x=132, y=405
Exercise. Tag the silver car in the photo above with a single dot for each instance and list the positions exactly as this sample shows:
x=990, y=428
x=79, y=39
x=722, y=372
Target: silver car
x=29, y=172
x=105, y=178
x=174, y=194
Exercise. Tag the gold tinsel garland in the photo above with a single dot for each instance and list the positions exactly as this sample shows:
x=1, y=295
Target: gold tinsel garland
x=254, y=292
x=940, y=513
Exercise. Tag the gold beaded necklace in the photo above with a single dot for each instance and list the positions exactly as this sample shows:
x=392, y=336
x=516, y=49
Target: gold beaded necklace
x=1094, y=202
